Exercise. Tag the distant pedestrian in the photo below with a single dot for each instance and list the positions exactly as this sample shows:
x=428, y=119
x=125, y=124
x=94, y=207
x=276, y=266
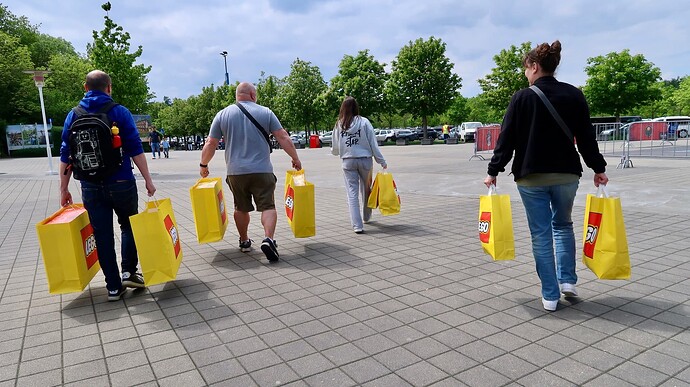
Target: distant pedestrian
x=547, y=166
x=155, y=142
x=165, y=144
x=355, y=142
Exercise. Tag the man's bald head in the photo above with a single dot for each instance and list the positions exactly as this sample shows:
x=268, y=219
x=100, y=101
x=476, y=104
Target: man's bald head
x=245, y=92
x=98, y=80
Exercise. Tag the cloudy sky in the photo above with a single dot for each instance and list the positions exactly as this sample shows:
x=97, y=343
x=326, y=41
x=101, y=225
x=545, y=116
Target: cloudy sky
x=182, y=40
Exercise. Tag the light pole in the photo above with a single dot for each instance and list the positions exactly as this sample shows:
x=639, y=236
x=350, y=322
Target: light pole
x=39, y=80
x=225, y=59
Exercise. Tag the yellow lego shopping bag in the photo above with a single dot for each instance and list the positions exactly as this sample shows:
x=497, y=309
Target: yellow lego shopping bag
x=384, y=194
x=158, y=242
x=208, y=207
x=300, y=204
x=69, y=249
x=496, y=225
x=605, y=245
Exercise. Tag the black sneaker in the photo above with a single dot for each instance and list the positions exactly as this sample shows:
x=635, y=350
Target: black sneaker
x=246, y=246
x=115, y=295
x=270, y=249
x=133, y=280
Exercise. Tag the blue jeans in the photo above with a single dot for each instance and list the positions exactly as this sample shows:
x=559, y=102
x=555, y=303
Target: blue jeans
x=100, y=201
x=357, y=172
x=549, y=210
x=156, y=147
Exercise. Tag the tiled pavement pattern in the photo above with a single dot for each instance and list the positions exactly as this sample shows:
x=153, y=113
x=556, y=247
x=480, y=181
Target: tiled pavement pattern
x=413, y=301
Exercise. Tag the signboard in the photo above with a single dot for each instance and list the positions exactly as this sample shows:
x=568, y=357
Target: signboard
x=143, y=123
x=26, y=136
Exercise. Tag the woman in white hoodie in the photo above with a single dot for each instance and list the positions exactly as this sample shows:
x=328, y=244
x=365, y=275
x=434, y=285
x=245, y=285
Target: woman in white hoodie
x=354, y=141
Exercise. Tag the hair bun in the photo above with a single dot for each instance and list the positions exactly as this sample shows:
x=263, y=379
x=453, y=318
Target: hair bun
x=555, y=47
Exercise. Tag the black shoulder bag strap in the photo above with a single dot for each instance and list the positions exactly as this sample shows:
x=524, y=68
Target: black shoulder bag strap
x=553, y=111
x=257, y=124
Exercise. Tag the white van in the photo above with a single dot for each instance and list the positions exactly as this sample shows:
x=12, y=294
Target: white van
x=678, y=125
x=468, y=130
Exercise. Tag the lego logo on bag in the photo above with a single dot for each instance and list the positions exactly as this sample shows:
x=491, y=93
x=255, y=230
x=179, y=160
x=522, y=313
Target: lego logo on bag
x=289, y=202
x=484, y=226
x=172, y=230
x=593, y=225
x=89, y=243
x=221, y=203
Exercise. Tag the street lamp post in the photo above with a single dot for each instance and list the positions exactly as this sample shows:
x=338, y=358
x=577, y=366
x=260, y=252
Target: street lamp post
x=224, y=54
x=39, y=80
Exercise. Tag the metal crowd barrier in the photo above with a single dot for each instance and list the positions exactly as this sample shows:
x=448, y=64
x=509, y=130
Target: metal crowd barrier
x=485, y=140
x=656, y=139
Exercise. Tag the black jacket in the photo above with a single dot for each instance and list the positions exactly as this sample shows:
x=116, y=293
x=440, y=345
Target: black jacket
x=538, y=141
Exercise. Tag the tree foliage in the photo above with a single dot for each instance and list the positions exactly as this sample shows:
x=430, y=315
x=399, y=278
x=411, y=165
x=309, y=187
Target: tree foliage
x=681, y=97
x=65, y=85
x=619, y=82
x=506, y=78
x=300, y=97
x=363, y=78
x=421, y=81
x=110, y=52
x=18, y=96
x=268, y=92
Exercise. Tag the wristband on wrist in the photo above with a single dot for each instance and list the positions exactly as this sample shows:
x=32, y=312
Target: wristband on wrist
x=203, y=165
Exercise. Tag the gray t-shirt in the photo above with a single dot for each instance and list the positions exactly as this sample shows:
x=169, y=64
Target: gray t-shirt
x=246, y=150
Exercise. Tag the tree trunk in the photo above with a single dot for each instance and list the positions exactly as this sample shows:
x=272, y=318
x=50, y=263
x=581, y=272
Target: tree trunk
x=424, y=122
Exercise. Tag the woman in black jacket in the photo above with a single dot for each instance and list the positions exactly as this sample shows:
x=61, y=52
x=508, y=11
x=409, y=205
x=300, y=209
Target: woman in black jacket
x=547, y=166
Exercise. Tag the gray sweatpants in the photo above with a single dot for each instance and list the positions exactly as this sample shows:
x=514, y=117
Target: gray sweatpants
x=357, y=172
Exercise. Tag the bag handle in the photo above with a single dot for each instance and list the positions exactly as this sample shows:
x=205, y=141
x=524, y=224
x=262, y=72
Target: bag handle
x=602, y=192
x=553, y=112
x=492, y=190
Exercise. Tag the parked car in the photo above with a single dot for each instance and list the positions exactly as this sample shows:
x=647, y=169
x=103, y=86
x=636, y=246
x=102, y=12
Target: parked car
x=468, y=130
x=407, y=135
x=326, y=138
x=298, y=141
x=678, y=126
x=384, y=135
x=430, y=133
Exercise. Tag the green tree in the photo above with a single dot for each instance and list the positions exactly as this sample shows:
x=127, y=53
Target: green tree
x=110, y=52
x=18, y=95
x=268, y=91
x=620, y=82
x=681, y=97
x=363, y=78
x=46, y=46
x=300, y=96
x=506, y=78
x=65, y=85
x=421, y=81
x=457, y=112
x=479, y=110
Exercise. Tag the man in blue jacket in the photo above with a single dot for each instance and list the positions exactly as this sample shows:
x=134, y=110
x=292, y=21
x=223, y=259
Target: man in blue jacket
x=116, y=193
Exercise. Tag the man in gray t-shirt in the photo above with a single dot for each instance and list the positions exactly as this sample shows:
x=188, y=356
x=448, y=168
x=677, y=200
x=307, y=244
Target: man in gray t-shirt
x=248, y=158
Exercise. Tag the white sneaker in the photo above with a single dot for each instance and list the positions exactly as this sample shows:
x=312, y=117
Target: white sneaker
x=549, y=305
x=358, y=230
x=568, y=290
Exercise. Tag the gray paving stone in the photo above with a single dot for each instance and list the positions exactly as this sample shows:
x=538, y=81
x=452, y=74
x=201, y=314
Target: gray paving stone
x=344, y=354
x=224, y=370
x=333, y=377
x=50, y=378
x=126, y=360
x=310, y=365
x=190, y=378
x=210, y=355
x=638, y=374
x=482, y=376
x=83, y=371
x=274, y=375
x=172, y=366
x=421, y=374
x=365, y=370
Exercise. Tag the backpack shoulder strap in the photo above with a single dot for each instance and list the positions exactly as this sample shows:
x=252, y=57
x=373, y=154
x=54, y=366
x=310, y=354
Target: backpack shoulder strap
x=106, y=108
x=80, y=111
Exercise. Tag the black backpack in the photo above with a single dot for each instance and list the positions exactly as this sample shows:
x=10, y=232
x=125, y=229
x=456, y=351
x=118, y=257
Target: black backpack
x=92, y=155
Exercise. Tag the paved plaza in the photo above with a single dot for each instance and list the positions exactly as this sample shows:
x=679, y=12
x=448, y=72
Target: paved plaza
x=412, y=301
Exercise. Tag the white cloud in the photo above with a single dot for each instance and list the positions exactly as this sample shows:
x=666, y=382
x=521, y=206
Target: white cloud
x=182, y=40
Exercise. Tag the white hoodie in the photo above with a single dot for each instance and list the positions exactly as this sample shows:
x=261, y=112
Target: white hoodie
x=358, y=141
